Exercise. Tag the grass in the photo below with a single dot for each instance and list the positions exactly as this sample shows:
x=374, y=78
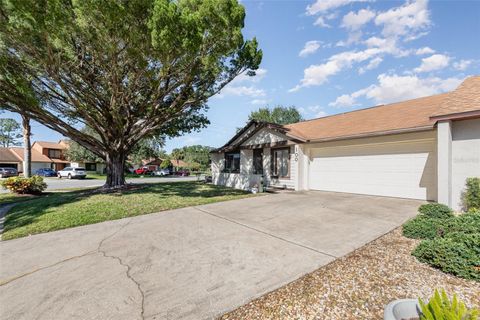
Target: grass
x=61, y=210
x=7, y=198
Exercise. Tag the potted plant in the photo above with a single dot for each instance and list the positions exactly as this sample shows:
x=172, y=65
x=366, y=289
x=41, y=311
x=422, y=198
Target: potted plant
x=439, y=307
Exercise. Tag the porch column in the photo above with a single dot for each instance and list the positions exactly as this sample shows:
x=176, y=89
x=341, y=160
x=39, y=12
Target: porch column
x=444, y=162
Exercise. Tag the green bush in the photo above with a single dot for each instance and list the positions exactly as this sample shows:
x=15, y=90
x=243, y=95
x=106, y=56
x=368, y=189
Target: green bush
x=459, y=258
x=20, y=185
x=471, y=197
x=439, y=307
x=436, y=210
x=422, y=227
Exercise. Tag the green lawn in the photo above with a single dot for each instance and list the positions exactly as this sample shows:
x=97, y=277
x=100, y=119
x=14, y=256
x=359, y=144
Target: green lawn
x=60, y=210
x=6, y=198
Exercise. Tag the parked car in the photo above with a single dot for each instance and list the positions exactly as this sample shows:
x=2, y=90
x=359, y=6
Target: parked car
x=46, y=172
x=183, y=173
x=70, y=173
x=162, y=172
x=143, y=171
x=8, y=172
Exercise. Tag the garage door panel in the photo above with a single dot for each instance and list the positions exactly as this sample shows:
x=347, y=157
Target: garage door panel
x=402, y=170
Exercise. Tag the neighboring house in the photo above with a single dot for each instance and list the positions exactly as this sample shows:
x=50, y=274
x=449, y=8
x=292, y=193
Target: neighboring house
x=44, y=155
x=154, y=164
x=9, y=159
x=54, y=151
x=423, y=148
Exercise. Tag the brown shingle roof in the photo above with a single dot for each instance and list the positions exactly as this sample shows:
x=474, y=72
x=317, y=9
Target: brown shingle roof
x=465, y=98
x=395, y=117
x=36, y=156
x=6, y=155
x=61, y=145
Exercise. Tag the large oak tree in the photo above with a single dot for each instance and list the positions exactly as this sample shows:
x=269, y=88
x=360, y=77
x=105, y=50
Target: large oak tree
x=127, y=69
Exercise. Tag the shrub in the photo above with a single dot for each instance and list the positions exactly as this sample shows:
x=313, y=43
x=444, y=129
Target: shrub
x=422, y=227
x=436, y=210
x=459, y=258
x=467, y=223
x=471, y=197
x=439, y=307
x=33, y=185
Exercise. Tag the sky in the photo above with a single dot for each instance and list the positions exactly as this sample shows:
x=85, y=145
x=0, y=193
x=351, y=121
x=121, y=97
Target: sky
x=332, y=56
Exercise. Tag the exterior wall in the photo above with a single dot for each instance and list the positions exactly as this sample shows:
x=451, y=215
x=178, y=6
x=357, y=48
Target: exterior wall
x=40, y=165
x=465, y=157
x=402, y=165
x=99, y=169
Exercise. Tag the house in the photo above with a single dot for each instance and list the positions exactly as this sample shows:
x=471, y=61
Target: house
x=45, y=154
x=423, y=148
x=154, y=164
x=55, y=151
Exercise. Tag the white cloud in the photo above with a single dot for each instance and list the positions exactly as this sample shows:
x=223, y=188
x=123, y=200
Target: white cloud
x=309, y=48
x=394, y=88
x=462, y=64
x=405, y=20
x=345, y=100
x=354, y=21
x=320, y=21
x=259, y=102
x=249, y=91
x=314, y=110
x=374, y=63
x=259, y=75
x=424, y=50
x=432, y=63
x=322, y=6
x=319, y=74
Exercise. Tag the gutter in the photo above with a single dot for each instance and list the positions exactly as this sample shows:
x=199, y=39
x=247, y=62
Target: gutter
x=457, y=116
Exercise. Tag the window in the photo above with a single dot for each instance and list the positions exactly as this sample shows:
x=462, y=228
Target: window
x=281, y=162
x=91, y=166
x=232, y=162
x=257, y=161
x=55, y=153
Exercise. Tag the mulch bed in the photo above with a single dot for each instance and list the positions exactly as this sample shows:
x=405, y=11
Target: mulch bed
x=359, y=285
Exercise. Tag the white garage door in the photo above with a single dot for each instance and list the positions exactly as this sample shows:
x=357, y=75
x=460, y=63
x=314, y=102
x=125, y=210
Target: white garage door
x=405, y=169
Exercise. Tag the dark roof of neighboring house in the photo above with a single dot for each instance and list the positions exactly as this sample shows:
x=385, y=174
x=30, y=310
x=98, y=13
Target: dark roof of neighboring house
x=6, y=155
x=36, y=156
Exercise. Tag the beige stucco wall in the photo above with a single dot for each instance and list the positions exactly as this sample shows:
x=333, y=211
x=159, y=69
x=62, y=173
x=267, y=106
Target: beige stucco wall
x=465, y=150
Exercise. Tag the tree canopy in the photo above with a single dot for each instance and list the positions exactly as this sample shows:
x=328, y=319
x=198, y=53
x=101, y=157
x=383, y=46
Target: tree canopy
x=10, y=132
x=126, y=69
x=196, y=154
x=278, y=115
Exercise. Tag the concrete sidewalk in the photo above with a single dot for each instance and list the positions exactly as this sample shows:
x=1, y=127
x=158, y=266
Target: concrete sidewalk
x=190, y=263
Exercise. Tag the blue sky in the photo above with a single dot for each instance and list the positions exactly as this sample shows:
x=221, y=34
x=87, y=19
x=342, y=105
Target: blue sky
x=332, y=56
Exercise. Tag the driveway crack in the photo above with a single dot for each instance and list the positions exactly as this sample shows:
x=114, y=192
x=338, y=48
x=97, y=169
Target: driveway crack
x=14, y=278
x=127, y=266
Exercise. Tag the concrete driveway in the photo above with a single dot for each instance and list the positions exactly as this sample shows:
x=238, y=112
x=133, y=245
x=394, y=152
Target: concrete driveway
x=191, y=263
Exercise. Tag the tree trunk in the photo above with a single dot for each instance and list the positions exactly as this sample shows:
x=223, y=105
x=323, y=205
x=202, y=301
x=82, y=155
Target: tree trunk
x=115, y=170
x=27, y=155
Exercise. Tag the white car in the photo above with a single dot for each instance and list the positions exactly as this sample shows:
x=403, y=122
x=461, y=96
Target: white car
x=70, y=173
x=162, y=172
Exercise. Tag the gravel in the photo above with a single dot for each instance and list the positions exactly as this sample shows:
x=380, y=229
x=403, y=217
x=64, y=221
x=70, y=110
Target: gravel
x=359, y=285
